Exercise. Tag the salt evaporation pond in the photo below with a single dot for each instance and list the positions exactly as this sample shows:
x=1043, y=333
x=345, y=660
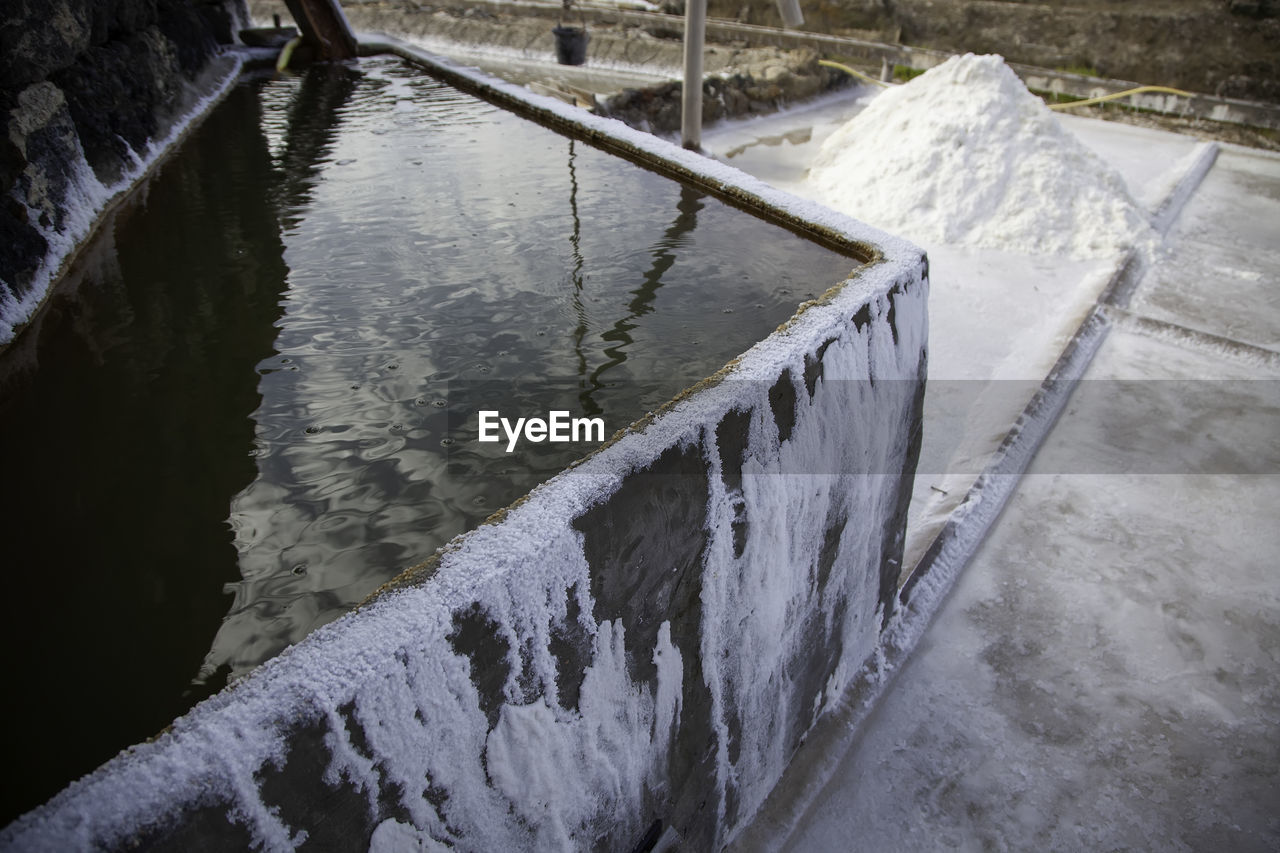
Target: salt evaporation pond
x=250, y=393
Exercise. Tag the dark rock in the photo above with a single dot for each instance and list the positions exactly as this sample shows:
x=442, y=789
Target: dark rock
x=113, y=19
x=22, y=248
x=1256, y=9
x=40, y=128
x=37, y=157
x=12, y=162
x=91, y=76
x=218, y=21
x=114, y=94
x=39, y=37
x=186, y=29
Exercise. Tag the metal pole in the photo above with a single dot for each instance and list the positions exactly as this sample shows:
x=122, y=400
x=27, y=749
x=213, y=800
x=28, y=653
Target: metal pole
x=695, y=36
x=792, y=17
x=324, y=25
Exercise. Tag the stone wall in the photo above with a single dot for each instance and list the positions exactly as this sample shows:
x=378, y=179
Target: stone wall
x=1218, y=47
x=759, y=82
x=86, y=82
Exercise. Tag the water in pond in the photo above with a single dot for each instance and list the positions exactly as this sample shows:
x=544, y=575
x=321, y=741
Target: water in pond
x=254, y=398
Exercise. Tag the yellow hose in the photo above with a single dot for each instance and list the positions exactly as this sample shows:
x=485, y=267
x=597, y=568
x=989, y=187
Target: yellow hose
x=286, y=53
x=1067, y=106
x=855, y=72
x=1089, y=102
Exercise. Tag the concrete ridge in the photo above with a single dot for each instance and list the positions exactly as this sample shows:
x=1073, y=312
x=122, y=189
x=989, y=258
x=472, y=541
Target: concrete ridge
x=1238, y=350
x=1206, y=155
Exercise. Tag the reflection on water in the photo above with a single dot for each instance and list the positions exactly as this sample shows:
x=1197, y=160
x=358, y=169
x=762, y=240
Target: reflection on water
x=436, y=270
x=125, y=423
x=618, y=336
x=291, y=336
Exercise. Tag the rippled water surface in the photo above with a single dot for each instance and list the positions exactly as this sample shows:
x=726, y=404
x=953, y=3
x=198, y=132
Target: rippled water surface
x=253, y=400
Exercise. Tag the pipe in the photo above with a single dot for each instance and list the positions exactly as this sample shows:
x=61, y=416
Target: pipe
x=1069, y=105
x=695, y=36
x=286, y=53
x=855, y=72
x=1104, y=98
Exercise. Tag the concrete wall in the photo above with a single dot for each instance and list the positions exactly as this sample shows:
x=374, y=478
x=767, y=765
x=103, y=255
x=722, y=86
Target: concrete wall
x=84, y=86
x=644, y=640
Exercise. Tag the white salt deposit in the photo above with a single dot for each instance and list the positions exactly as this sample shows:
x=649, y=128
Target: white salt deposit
x=965, y=155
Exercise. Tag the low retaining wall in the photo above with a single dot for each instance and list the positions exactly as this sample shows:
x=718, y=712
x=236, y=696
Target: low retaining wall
x=647, y=637
x=769, y=80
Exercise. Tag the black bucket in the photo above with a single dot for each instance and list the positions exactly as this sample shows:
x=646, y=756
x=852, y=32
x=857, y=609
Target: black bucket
x=571, y=45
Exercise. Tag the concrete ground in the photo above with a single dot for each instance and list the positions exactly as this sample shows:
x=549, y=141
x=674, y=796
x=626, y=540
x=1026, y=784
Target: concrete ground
x=1105, y=674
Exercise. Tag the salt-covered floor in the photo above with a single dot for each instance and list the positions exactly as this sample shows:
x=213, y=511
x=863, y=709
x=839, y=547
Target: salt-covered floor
x=998, y=319
x=1103, y=675
x=1106, y=672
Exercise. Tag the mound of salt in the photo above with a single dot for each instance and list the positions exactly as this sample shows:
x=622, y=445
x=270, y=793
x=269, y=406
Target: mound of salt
x=965, y=155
